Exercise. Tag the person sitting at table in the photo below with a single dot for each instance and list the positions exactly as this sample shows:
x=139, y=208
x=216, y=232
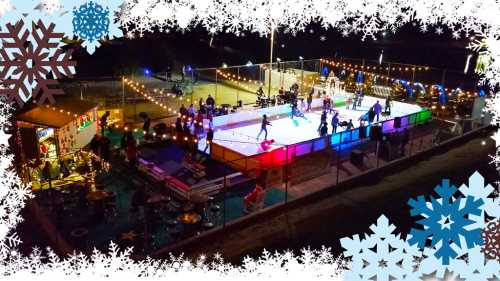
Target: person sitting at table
x=63, y=169
x=255, y=199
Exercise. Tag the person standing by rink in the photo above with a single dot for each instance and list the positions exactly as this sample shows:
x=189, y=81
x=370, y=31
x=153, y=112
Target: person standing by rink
x=264, y=127
x=350, y=126
x=377, y=108
x=335, y=122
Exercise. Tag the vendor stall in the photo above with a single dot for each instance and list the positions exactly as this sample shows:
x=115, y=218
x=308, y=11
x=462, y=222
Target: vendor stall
x=50, y=131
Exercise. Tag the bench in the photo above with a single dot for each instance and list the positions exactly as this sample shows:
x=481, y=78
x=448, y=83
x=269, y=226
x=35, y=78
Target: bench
x=157, y=174
x=143, y=165
x=179, y=188
x=197, y=169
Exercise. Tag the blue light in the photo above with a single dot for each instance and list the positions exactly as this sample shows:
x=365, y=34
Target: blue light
x=482, y=93
x=147, y=71
x=325, y=71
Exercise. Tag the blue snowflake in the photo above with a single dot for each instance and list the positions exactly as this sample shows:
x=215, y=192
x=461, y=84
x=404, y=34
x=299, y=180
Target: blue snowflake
x=91, y=23
x=445, y=221
x=383, y=255
x=62, y=16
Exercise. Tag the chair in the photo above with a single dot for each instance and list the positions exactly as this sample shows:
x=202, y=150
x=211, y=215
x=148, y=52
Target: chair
x=257, y=205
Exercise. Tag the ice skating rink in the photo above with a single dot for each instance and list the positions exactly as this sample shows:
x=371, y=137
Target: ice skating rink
x=285, y=131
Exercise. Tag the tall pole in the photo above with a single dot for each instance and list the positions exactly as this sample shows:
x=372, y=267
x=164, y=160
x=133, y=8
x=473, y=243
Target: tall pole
x=123, y=92
x=301, y=75
x=238, y=88
x=216, y=85
x=270, y=60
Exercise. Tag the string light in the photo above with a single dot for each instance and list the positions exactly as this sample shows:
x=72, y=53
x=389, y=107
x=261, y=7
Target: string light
x=354, y=69
x=236, y=79
x=140, y=89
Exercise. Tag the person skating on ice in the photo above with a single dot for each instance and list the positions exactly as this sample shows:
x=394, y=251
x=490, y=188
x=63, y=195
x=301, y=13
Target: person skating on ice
x=264, y=127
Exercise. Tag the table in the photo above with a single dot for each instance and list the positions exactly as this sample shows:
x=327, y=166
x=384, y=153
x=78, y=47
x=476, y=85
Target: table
x=97, y=195
x=128, y=236
x=198, y=198
x=189, y=218
x=157, y=198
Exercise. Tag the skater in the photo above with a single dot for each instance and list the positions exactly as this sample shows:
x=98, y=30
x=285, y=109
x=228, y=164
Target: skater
x=309, y=100
x=323, y=131
x=360, y=98
x=210, y=138
x=323, y=120
x=377, y=108
x=302, y=105
x=388, y=103
x=335, y=122
x=264, y=127
x=355, y=100
x=350, y=126
x=370, y=115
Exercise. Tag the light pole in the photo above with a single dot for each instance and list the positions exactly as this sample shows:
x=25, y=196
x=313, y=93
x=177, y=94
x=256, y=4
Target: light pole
x=270, y=61
x=301, y=73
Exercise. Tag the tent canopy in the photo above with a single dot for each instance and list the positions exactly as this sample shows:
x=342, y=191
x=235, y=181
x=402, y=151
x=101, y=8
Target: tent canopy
x=56, y=115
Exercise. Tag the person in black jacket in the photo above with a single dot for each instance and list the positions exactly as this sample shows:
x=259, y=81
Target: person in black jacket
x=210, y=138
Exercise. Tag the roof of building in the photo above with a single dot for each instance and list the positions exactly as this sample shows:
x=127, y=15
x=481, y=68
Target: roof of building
x=64, y=111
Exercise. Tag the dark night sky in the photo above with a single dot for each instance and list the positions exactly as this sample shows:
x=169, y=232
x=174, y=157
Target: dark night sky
x=155, y=51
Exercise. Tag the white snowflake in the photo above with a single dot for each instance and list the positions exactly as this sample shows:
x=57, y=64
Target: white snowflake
x=12, y=195
x=477, y=189
x=476, y=267
x=4, y=138
x=392, y=259
x=439, y=30
x=322, y=38
x=456, y=35
x=5, y=6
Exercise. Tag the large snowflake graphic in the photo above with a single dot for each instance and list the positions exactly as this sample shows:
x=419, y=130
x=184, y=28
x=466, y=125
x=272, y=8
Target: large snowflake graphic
x=382, y=255
x=477, y=189
x=61, y=13
x=91, y=23
x=445, y=222
x=32, y=61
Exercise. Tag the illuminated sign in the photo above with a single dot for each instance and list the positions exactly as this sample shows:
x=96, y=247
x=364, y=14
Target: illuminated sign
x=42, y=134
